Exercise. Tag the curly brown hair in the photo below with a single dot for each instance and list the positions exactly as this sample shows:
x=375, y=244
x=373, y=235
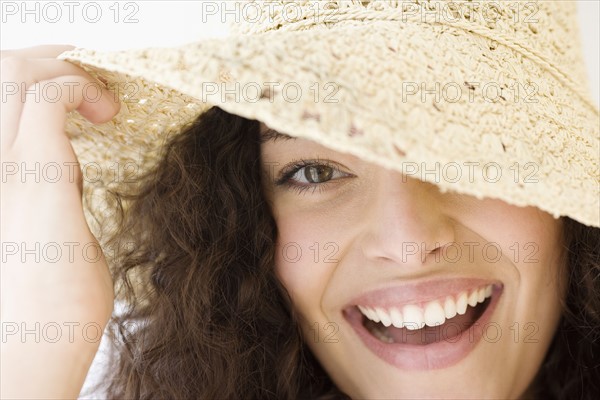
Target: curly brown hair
x=571, y=369
x=211, y=321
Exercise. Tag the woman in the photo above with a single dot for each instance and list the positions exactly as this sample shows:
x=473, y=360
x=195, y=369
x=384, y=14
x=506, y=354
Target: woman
x=260, y=265
x=337, y=240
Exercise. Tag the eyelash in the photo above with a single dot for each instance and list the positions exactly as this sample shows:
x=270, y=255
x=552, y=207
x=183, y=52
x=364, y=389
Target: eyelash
x=291, y=169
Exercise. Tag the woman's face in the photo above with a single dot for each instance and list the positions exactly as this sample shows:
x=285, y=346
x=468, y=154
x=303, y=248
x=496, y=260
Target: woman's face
x=407, y=292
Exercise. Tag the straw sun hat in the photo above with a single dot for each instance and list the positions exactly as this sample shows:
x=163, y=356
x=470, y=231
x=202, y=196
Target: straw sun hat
x=486, y=98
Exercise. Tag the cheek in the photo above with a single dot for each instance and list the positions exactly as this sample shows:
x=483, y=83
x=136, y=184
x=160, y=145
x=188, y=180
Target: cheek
x=532, y=240
x=532, y=243
x=542, y=273
x=527, y=238
x=302, y=262
x=526, y=248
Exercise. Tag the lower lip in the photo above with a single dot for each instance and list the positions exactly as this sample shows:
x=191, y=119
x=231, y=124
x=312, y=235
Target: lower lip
x=437, y=355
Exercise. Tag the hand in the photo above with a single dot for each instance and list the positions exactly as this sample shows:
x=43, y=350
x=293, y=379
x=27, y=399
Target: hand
x=56, y=289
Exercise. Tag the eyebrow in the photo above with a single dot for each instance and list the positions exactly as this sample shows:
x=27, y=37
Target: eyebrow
x=272, y=134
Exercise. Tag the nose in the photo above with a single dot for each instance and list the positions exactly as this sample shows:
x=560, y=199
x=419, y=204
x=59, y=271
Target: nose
x=405, y=222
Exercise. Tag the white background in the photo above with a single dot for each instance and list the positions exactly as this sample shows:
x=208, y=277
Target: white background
x=163, y=23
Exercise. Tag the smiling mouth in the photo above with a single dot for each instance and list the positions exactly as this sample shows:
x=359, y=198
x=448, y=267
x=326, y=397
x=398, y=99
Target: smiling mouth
x=433, y=322
x=428, y=334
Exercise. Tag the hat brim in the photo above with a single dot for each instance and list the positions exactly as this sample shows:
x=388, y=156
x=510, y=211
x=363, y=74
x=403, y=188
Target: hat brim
x=410, y=97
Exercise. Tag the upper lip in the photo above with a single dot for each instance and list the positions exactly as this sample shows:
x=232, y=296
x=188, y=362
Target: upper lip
x=418, y=292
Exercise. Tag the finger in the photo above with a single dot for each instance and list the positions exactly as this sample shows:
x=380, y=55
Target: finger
x=43, y=122
x=18, y=77
x=44, y=51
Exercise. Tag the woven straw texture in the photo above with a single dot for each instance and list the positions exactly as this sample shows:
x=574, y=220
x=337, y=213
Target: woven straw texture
x=491, y=95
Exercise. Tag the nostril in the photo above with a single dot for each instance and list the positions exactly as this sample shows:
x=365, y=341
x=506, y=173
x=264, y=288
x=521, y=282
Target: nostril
x=434, y=252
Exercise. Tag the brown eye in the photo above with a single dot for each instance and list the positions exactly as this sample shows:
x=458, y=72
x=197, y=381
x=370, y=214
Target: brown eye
x=306, y=174
x=318, y=173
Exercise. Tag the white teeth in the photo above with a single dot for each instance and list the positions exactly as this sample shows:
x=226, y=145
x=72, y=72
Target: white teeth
x=396, y=317
x=434, y=314
x=481, y=295
x=367, y=312
x=374, y=316
x=472, y=298
x=461, y=303
x=413, y=317
x=383, y=316
x=488, y=290
x=450, y=308
x=363, y=310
